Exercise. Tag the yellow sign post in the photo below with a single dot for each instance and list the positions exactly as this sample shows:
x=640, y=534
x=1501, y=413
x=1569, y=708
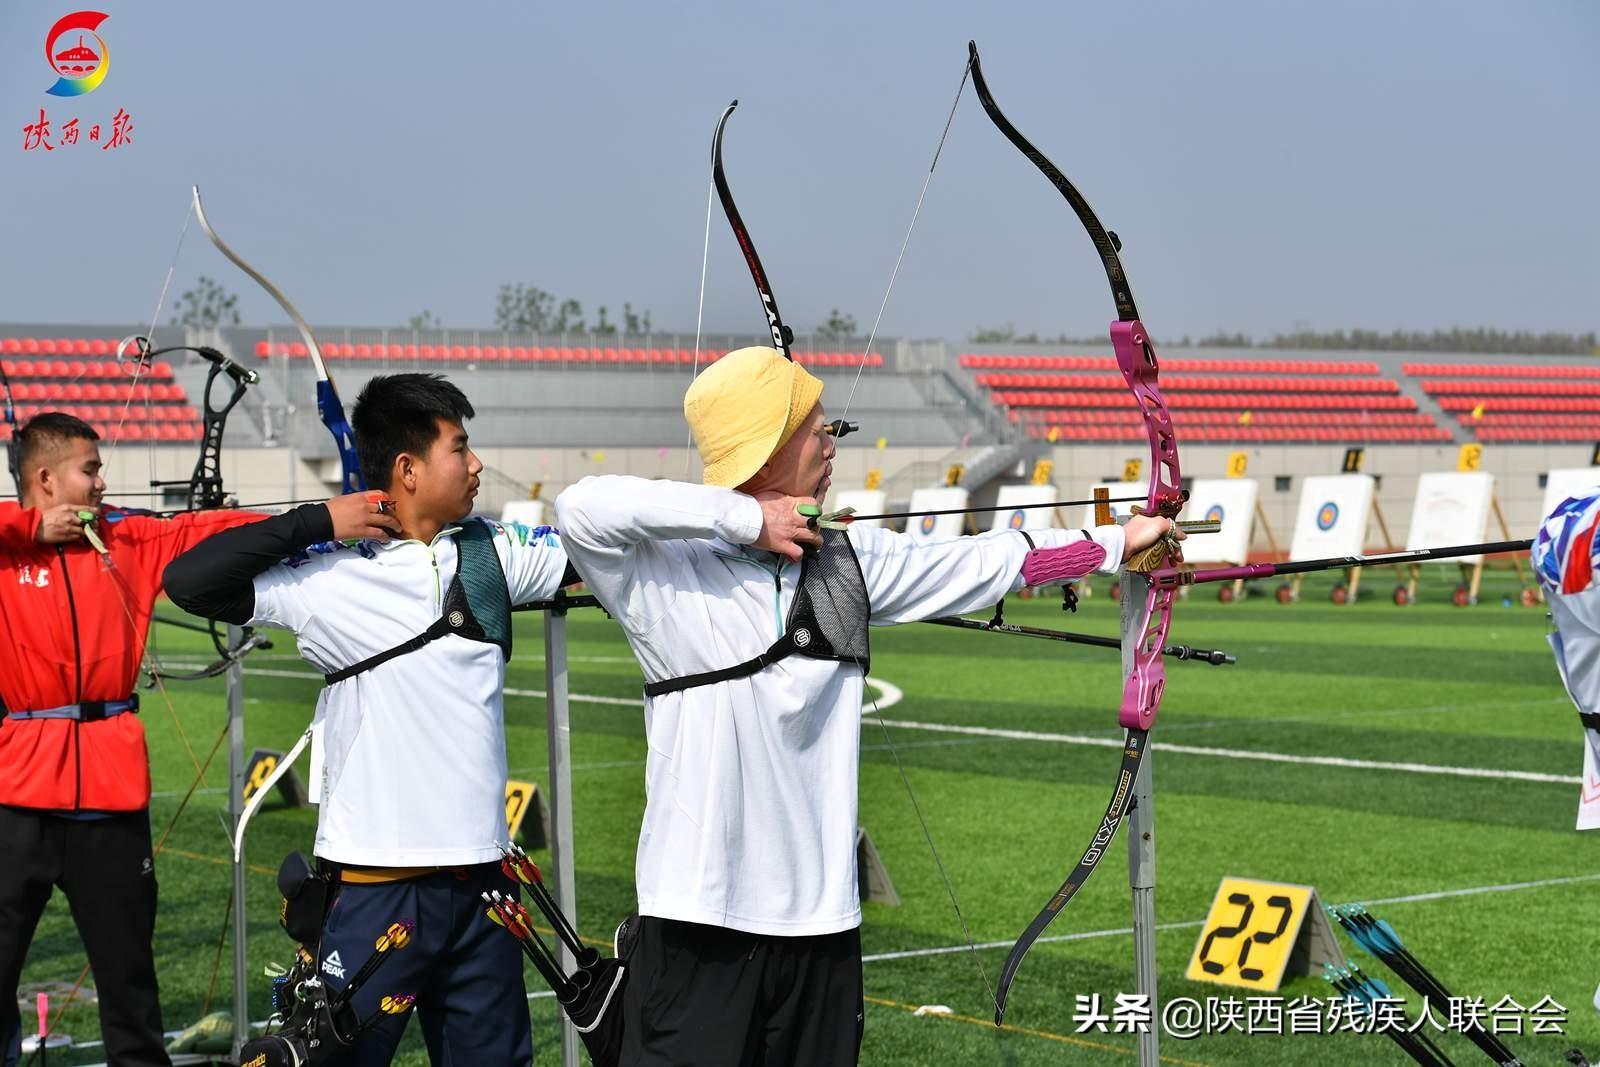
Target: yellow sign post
x=1352, y=460
x=1259, y=932
x=952, y=477
x=1471, y=456
x=1042, y=471
x=874, y=478
x=1238, y=463
x=1131, y=469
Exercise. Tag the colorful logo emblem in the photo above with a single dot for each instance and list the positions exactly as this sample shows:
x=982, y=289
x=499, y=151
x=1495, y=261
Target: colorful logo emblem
x=1016, y=520
x=80, y=66
x=927, y=525
x=1214, y=513
x=1327, y=515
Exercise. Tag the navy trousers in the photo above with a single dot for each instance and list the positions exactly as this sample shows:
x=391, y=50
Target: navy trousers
x=465, y=971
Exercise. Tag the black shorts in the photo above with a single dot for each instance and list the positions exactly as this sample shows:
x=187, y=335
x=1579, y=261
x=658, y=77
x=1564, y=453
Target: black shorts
x=715, y=997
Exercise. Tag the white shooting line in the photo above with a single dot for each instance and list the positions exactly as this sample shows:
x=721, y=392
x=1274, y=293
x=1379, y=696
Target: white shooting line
x=1240, y=753
x=1123, y=931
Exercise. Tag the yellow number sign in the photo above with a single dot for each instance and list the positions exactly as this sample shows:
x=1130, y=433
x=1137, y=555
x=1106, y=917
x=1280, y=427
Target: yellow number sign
x=874, y=478
x=1249, y=934
x=952, y=477
x=1471, y=456
x=1042, y=471
x=1131, y=469
x=1352, y=460
x=1238, y=463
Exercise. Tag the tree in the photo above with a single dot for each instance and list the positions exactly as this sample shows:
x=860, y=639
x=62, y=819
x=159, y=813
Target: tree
x=207, y=306
x=523, y=308
x=569, y=319
x=603, y=327
x=423, y=322
x=839, y=327
x=1223, y=339
x=635, y=325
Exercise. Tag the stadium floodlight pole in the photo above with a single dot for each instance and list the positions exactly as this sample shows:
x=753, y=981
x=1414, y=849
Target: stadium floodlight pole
x=1380, y=939
x=1180, y=576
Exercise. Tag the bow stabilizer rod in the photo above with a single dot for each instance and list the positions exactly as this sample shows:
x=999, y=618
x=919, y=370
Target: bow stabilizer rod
x=1214, y=656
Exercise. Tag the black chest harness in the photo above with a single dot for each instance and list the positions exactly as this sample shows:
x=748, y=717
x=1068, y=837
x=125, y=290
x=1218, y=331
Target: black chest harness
x=476, y=606
x=828, y=619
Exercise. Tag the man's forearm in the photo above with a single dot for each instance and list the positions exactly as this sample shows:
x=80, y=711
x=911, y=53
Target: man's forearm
x=215, y=579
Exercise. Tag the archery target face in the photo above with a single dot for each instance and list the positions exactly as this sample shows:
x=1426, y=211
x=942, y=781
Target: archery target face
x=1332, y=516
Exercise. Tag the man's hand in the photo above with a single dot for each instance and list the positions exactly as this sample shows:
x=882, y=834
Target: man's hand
x=1142, y=531
x=60, y=525
x=783, y=528
x=361, y=516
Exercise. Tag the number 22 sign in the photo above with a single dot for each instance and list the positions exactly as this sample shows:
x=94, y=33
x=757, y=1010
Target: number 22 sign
x=1251, y=932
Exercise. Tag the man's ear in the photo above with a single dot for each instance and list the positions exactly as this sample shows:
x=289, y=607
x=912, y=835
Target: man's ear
x=405, y=465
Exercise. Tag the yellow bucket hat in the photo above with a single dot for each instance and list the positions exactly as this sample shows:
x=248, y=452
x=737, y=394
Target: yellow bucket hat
x=744, y=408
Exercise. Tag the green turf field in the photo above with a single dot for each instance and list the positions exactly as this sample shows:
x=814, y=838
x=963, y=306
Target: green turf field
x=1370, y=683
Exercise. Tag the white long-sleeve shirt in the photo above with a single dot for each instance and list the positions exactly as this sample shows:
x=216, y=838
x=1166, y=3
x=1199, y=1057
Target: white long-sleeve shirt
x=410, y=757
x=750, y=814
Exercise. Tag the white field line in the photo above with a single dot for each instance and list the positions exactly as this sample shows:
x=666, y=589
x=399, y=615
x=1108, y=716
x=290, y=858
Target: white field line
x=1123, y=931
x=891, y=695
x=1240, y=753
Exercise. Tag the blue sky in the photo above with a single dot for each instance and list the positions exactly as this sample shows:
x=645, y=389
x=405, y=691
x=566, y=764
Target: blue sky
x=1267, y=164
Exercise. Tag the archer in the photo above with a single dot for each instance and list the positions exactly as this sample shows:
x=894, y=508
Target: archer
x=403, y=601
x=751, y=628
x=76, y=593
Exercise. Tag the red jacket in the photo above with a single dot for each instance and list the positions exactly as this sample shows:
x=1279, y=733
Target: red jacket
x=72, y=629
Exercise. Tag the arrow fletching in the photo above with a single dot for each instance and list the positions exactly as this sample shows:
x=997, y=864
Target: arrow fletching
x=398, y=936
x=398, y=1004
